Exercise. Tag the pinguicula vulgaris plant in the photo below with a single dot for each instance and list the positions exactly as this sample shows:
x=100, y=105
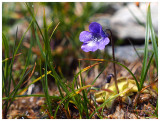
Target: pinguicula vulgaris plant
x=97, y=39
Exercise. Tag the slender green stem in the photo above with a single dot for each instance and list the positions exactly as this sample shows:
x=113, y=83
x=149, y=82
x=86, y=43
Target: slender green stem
x=114, y=67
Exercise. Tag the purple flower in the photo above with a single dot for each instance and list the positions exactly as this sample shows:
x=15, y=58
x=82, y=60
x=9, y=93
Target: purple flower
x=95, y=39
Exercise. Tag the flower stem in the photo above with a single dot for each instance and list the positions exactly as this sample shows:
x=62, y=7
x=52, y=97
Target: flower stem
x=114, y=67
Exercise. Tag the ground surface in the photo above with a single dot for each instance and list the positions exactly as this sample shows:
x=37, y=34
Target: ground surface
x=34, y=107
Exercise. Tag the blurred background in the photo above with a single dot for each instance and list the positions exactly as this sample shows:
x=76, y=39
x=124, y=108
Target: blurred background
x=125, y=20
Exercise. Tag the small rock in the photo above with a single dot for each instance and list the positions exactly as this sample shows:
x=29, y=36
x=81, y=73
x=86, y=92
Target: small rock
x=40, y=102
x=119, y=113
x=124, y=24
x=127, y=52
x=132, y=116
x=23, y=101
x=144, y=98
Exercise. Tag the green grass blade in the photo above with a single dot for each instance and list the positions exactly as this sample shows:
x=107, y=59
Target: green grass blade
x=85, y=99
x=38, y=42
x=22, y=38
x=34, y=18
x=11, y=65
x=24, y=73
x=49, y=26
x=156, y=110
x=6, y=70
x=14, y=92
x=50, y=59
x=7, y=80
x=145, y=51
x=15, y=52
x=46, y=64
x=153, y=37
x=55, y=75
x=53, y=31
x=6, y=46
x=138, y=86
x=145, y=74
x=36, y=34
x=4, y=89
x=46, y=88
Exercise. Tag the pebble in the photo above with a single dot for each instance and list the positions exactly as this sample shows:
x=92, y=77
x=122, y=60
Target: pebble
x=127, y=53
x=124, y=25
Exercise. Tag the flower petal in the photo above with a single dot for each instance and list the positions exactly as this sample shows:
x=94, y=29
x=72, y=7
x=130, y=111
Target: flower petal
x=85, y=36
x=95, y=27
x=103, y=43
x=103, y=34
x=90, y=46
